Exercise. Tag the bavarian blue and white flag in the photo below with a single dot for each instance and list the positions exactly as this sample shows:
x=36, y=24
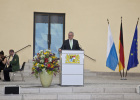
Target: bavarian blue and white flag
x=112, y=58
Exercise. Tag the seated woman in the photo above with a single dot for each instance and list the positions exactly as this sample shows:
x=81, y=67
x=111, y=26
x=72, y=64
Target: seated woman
x=2, y=61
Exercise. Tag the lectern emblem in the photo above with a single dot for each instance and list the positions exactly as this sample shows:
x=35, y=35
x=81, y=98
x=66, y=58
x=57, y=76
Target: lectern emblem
x=72, y=58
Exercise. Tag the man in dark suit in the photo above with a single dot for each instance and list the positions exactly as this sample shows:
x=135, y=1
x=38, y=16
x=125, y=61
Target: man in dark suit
x=70, y=44
x=12, y=65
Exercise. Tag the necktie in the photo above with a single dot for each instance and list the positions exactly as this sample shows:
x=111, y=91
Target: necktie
x=71, y=44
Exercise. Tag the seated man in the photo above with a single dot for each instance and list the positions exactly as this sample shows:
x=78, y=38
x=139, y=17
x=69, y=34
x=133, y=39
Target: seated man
x=12, y=65
x=70, y=43
x=2, y=61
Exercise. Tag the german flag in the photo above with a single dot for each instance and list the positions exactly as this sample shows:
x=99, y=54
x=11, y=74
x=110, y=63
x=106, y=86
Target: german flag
x=121, y=50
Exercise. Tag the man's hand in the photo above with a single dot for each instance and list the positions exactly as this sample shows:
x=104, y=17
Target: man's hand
x=8, y=62
x=59, y=50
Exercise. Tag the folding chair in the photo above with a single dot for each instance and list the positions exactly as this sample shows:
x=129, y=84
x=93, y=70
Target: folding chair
x=19, y=71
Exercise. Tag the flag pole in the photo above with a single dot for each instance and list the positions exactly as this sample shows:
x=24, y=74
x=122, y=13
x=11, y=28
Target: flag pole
x=120, y=73
x=136, y=25
x=108, y=21
x=123, y=68
x=138, y=21
x=126, y=73
x=123, y=72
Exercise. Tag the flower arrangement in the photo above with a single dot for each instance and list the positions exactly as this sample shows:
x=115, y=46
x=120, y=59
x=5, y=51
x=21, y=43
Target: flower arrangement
x=45, y=61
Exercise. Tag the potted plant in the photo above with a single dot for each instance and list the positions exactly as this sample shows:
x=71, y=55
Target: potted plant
x=45, y=64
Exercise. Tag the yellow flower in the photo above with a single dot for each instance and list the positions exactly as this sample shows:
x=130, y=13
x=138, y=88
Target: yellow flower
x=53, y=57
x=35, y=64
x=52, y=66
x=42, y=65
x=46, y=53
x=33, y=68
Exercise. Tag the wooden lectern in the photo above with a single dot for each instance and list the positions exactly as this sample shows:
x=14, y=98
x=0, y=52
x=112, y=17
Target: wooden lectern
x=72, y=67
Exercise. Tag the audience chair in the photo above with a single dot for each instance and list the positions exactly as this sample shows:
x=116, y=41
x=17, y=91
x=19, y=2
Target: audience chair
x=19, y=71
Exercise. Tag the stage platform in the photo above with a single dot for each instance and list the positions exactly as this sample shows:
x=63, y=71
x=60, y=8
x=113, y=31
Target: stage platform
x=97, y=86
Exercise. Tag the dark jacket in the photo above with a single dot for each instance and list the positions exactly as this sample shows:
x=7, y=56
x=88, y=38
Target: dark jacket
x=15, y=63
x=66, y=45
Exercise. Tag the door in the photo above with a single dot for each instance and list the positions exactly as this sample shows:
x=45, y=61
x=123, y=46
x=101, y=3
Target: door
x=49, y=29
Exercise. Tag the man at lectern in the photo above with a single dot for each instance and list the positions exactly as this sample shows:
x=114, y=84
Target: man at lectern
x=70, y=44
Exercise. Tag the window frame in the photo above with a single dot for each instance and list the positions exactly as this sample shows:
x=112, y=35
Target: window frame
x=49, y=19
